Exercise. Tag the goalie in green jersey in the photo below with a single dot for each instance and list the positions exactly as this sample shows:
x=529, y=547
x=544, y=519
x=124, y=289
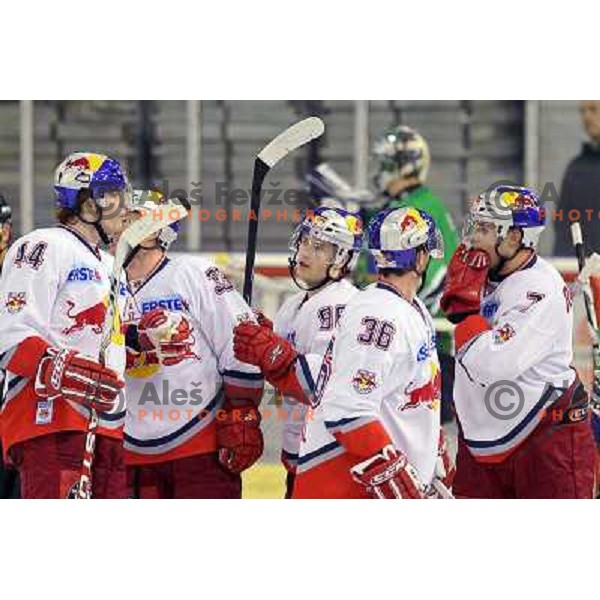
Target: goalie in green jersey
x=403, y=159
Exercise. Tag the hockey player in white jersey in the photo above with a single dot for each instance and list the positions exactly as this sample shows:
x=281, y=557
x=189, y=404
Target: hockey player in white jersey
x=324, y=247
x=375, y=429
x=53, y=298
x=193, y=423
x=522, y=410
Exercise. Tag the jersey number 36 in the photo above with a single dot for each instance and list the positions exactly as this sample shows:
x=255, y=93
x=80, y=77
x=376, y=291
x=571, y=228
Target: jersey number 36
x=376, y=332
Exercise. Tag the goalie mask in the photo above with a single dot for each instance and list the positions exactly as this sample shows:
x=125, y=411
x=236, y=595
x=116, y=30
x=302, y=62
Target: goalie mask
x=335, y=226
x=397, y=234
x=508, y=207
x=148, y=200
x=401, y=153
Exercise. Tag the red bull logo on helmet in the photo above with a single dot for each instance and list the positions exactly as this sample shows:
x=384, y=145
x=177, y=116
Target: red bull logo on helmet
x=407, y=222
x=518, y=199
x=411, y=219
x=354, y=225
x=81, y=162
x=524, y=201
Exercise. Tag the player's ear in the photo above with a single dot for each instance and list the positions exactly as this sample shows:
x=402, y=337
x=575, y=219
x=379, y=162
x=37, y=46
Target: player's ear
x=422, y=259
x=88, y=206
x=335, y=272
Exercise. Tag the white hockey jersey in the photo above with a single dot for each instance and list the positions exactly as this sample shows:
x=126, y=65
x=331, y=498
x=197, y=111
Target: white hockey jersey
x=379, y=383
x=172, y=410
x=54, y=291
x=308, y=323
x=506, y=377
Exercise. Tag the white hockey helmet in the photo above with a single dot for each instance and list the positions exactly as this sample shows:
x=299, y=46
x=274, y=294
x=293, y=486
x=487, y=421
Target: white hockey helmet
x=506, y=207
x=397, y=234
x=337, y=226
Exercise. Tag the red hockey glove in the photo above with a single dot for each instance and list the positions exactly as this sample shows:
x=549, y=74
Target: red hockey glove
x=262, y=319
x=259, y=346
x=466, y=276
x=166, y=334
x=77, y=378
x=466, y=330
x=389, y=475
x=239, y=438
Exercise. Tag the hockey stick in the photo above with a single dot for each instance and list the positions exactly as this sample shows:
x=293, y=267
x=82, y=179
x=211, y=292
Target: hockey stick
x=588, y=298
x=151, y=223
x=443, y=492
x=327, y=183
x=287, y=141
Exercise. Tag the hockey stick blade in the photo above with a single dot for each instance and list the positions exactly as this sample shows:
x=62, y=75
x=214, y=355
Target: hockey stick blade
x=579, y=247
x=287, y=141
x=591, y=268
x=339, y=188
x=151, y=223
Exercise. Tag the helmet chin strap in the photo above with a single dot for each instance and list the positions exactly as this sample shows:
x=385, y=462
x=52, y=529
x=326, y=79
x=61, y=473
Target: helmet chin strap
x=421, y=274
x=155, y=246
x=292, y=262
x=97, y=224
x=141, y=248
x=503, y=259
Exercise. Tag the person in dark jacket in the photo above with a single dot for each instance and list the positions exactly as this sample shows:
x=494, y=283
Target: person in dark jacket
x=580, y=189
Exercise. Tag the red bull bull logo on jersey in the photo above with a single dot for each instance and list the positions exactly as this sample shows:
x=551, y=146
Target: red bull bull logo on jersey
x=427, y=395
x=88, y=317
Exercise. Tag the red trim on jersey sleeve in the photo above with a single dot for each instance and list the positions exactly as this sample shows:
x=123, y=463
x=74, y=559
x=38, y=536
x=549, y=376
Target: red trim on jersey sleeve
x=27, y=356
x=289, y=386
x=365, y=440
x=466, y=330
